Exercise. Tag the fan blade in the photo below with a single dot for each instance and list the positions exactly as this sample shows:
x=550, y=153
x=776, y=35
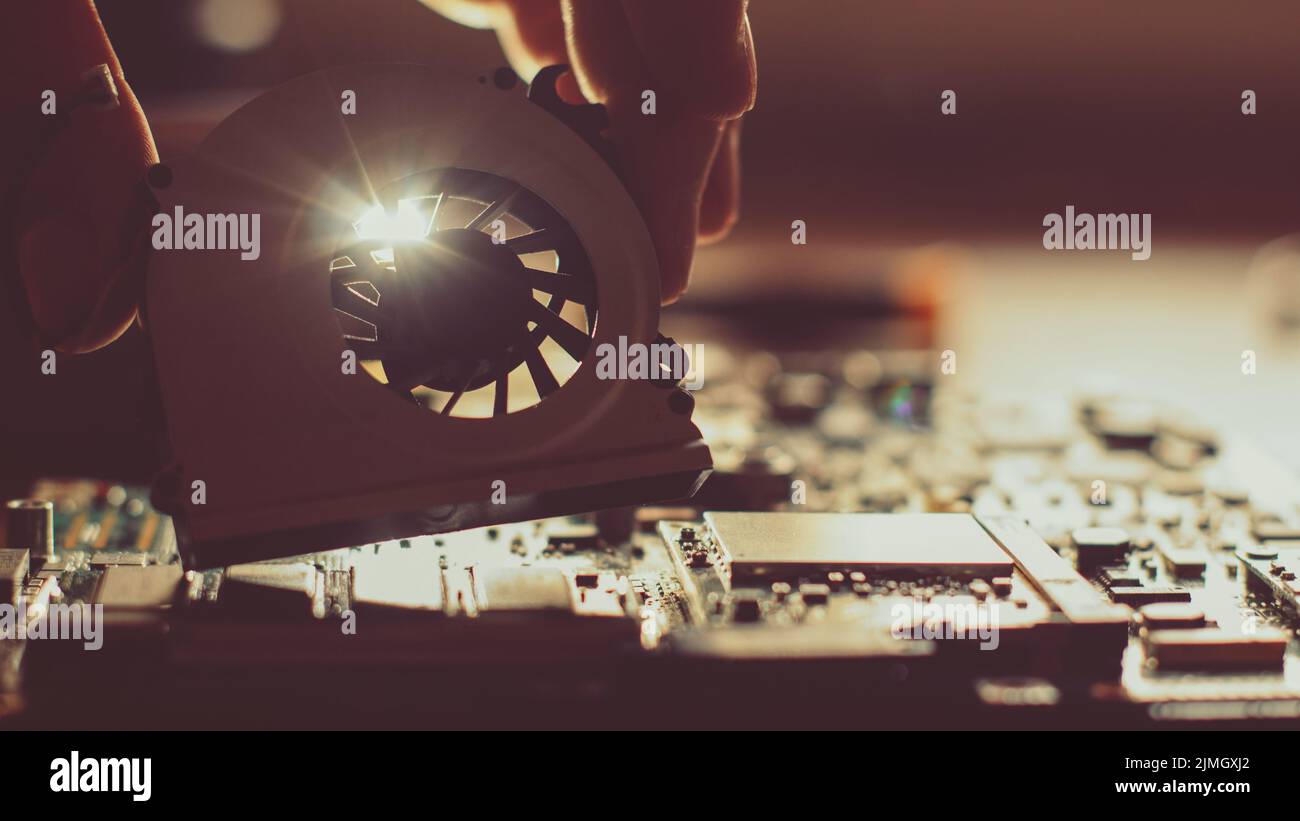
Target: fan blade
x=351, y=302
x=493, y=210
x=433, y=218
x=369, y=268
x=501, y=397
x=455, y=397
x=365, y=348
x=541, y=373
x=570, y=287
x=574, y=341
x=405, y=373
x=543, y=239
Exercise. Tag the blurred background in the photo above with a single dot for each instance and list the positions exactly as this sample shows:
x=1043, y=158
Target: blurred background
x=1103, y=104
x=1107, y=106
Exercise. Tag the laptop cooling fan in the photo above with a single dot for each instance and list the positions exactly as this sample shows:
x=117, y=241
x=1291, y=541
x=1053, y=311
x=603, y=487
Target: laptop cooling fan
x=412, y=348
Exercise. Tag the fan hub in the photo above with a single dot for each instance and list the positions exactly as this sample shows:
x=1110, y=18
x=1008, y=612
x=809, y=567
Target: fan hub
x=461, y=301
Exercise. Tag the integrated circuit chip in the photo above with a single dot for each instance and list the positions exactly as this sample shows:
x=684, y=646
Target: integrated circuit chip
x=794, y=544
x=404, y=579
x=522, y=588
x=1209, y=649
x=138, y=587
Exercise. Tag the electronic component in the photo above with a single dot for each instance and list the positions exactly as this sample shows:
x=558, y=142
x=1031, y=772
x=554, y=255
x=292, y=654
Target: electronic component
x=1099, y=629
x=138, y=588
x=403, y=579
x=804, y=643
x=1183, y=561
x=29, y=525
x=1170, y=616
x=39, y=591
x=111, y=558
x=572, y=538
x=1120, y=578
x=1272, y=530
x=787, y=545
x=14, y=565
x=272, y=589
x=1099, y=545
x=746, y=608
x=1216, y=650
x=814, y=594
x=1139, y=596
x=499, y=589
x=1274, y=572
x=1124, y=424
x=605, y=595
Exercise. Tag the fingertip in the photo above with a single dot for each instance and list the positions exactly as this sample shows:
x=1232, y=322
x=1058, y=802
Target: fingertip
x=673, y=282
x=672, y=219
x=716, y=226
x=674, y=242
x=720, y=202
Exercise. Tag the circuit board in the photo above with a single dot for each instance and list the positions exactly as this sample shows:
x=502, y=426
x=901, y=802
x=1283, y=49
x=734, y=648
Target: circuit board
x=872, y=550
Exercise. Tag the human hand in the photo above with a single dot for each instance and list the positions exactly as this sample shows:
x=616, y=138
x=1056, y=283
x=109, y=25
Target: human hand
x=76, y=226
x=682, y=163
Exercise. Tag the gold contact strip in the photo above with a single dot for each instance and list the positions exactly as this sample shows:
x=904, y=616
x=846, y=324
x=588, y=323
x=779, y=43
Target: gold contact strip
x=106, y=526
x=147, y=531
x=70, y=540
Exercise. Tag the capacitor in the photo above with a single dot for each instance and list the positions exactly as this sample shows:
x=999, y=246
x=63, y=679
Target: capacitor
x=29, y=525
x=1099, y=545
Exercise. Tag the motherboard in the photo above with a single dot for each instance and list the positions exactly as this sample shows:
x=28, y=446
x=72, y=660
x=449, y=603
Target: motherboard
x=873, y=549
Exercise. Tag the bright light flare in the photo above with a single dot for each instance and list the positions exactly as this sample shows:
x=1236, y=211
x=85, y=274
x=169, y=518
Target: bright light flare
x=408, y=223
